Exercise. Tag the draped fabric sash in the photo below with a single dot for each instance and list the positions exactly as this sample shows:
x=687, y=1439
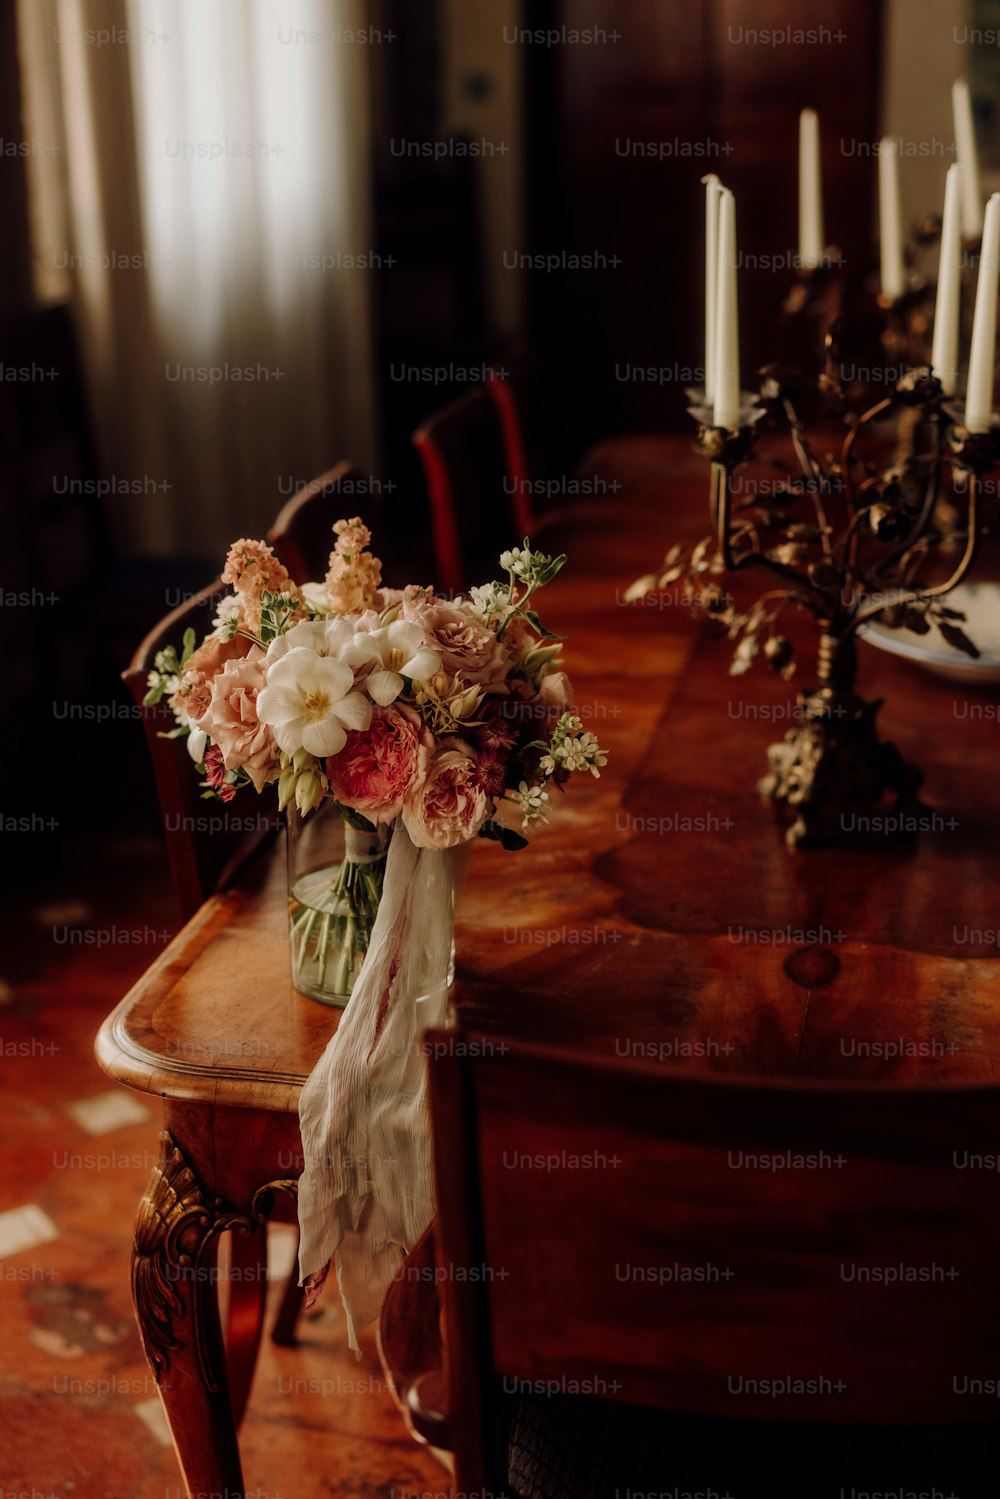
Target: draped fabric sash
x=367, y=1191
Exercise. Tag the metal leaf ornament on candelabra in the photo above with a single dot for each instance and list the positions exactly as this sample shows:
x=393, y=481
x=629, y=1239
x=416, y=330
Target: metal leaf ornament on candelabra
x=845, y=539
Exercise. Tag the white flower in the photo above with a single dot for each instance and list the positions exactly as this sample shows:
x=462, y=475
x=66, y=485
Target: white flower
x=491, y=601
x=397, y=651
x=745, y=653
x=170, y=681
x=310, y=703
x=572, y=756
x=323, y=637
x=572, y=748
x=227, y=617
x=517, y=561
x=317, y=597
x=531, y=802
x=197, y=743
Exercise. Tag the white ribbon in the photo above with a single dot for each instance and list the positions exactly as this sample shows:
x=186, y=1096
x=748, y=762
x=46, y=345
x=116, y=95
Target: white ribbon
x=367, y=1191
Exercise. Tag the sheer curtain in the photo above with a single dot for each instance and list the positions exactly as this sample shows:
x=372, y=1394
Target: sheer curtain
x=206, y=205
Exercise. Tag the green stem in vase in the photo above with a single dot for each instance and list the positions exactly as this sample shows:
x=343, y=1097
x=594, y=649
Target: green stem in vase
x=304, y=922
x=345, y=961
x=332, y=925
x=323, y=948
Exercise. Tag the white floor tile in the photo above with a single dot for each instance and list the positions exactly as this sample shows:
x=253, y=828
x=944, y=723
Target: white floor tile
x=150, y=1412
x=24, y=1228
x=107, y=1111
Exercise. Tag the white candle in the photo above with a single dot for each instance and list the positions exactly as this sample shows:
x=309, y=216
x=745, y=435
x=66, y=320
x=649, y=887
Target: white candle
x=810, y=191
x=982, y=359
x=965, y=141
x=944, y=352
x=713, y=189
x=727, y=336
x=890, y=220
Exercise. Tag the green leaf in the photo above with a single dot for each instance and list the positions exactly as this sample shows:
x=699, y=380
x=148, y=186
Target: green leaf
x=533, y=619
x=958, y=639
x=189, y=642
x=506, y=837
x=916, y=620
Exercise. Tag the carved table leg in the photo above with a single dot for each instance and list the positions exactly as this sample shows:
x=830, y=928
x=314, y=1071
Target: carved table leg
x=247, y=1302
x=174, y=1289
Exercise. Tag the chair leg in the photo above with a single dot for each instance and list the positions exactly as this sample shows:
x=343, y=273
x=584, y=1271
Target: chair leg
x=285, y=1329
x=245, y=1320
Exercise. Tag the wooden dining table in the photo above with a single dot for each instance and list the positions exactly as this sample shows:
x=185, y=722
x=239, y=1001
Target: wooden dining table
x=660, y=917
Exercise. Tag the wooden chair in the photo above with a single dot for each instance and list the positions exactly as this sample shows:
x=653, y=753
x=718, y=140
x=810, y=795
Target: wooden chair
x=205, y=846
x=473, y=519
x=517, y=389
x=302, y=534
x=646, y=1234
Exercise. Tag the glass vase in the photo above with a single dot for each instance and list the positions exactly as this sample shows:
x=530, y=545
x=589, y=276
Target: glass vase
x=335, y=878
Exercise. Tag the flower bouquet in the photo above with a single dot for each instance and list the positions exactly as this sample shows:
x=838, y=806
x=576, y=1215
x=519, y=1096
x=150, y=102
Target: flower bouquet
x=382, y=707
x=410, y=720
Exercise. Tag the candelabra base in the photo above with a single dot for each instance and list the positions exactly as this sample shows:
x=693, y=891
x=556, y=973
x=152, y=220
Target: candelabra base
x=835, y=773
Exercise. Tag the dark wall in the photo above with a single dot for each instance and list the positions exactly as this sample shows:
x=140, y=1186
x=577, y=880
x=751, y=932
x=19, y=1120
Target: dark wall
x=695, y=80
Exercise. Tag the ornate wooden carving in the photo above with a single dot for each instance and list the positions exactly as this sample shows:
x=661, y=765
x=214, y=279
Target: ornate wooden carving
x=176, y=1228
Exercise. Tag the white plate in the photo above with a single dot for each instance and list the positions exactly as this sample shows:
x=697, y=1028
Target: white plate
x=980, y=603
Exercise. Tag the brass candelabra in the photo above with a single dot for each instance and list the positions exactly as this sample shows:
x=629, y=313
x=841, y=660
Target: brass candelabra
x=846, y=543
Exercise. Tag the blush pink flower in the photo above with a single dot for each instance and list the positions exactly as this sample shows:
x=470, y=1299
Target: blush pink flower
x=381, y=765
x=450, y=806
x=232, y=722
x=556, y=691
x=468, y=649
x=194, y=694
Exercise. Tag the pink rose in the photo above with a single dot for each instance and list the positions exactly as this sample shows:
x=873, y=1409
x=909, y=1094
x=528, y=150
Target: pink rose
x=232, y=722
x=381, y=765
x=451, y=806
x=468, y=648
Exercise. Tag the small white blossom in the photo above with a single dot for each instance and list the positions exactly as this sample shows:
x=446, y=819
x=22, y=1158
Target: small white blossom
x=573, y=748
x=516, y=561
x=491, y=601
x=169, y=681
x=744, y=655
x=531, y=803
x=227, y=618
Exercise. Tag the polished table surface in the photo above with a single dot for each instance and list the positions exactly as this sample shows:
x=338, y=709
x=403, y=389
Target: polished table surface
x=660, y=915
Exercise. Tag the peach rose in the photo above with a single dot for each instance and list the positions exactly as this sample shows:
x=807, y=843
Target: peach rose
x=468, y=648
x=194, y=694
x=451, y=806
x=381, y=765
x=232, y=722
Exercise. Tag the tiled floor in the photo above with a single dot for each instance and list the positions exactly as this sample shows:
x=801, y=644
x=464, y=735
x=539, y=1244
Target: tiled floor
x=79, y=1412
